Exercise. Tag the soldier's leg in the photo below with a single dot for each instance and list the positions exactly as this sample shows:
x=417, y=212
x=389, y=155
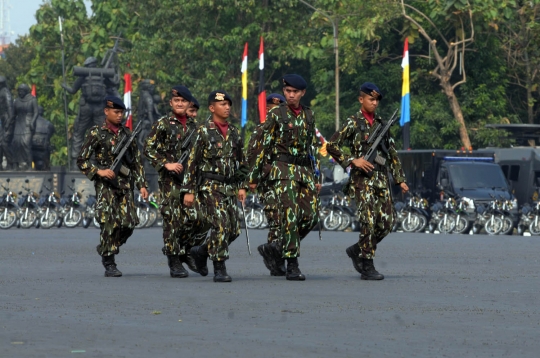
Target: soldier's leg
x=288, y=194
x=272, y=251
x=308, y=209
x=191, y=232
x=385, y=217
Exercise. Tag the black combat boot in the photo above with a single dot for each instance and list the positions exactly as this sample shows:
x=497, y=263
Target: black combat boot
x=189, y=261
x=279, y=261
x=293, y=272
x=220, y=272
x=354, y=253
x=200, y=255
x=175, y=266
x=110, y=266
x=268, y=258
x=369, y=272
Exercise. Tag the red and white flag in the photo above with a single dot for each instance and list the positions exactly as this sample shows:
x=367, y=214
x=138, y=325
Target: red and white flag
x=127, y=100
x=34, y=93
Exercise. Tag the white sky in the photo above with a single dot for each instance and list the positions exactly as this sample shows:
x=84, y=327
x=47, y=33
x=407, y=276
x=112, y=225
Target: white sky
x=22, y=15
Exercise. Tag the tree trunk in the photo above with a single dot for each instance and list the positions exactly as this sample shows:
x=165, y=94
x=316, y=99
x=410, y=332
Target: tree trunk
x=528, y=84
x=458, y=114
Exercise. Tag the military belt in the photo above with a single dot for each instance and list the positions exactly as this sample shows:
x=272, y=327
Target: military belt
x=291, y=159
x=219, y=177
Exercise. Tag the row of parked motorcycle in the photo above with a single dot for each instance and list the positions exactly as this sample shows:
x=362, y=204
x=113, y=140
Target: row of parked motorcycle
x=52, y=209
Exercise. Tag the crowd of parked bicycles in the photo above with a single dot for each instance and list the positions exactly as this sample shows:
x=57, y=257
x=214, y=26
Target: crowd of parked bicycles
x=451, y=214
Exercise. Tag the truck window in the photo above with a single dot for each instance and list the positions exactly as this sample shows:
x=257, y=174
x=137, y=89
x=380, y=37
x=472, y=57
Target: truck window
x=514, y=173
x=482, y=176
x=505, y=170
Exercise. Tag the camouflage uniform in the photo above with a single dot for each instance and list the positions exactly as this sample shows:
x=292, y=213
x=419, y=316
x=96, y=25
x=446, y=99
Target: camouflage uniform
x=212, y=174
x=182, y=226
x=267, y=196
x=288, y=140
x=115, y=207
x=373, y=197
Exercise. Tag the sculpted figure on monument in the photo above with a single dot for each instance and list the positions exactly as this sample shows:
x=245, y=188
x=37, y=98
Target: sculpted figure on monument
x=25, y=114
x=6, y=124
x=41, y=142
x=147, y=109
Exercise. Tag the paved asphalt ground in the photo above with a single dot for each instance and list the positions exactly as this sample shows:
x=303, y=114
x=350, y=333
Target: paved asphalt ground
x=443, y=296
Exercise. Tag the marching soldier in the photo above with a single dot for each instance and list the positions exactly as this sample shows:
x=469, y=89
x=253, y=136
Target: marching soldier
x=268, y=198
x=289, y=141
x=163, y=148
x=193, y=109
x=372, y=194
x=115, y=207
x=215, y=171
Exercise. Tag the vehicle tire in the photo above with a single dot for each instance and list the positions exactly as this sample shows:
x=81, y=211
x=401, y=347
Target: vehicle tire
x=345, y=221
x=8, y=218
x=493, y=227
x=462, y=225
x=448, y=226
x=508, y=226
x=534, y=228
x=143, y=218
x=476, y=228
x=423, y=223
x=254, y=219
x=431, y=227
x=332, y=222
x=410, y=224
x=152, y=217
x=74, y=220
x=520, y=230
x=28, y=221
x=96, y=223
x=48, y=222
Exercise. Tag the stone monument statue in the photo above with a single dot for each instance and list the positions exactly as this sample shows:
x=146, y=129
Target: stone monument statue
x=25, y=113
x=147, y=109
x=41, y=142
x=6, y=124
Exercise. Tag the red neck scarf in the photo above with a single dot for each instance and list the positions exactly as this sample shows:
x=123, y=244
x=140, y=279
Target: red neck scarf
x=369, y=116
x=223, y=127
x=113, y=128
x=296, y=111
x=182, y=119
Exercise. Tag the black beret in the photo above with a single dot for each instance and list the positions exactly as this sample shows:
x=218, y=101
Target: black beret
x=217, y=96
x=114, y=103
x=182, y=91
x=195, y=102
x=275, y=98
x=371, y=89
x=295, y=81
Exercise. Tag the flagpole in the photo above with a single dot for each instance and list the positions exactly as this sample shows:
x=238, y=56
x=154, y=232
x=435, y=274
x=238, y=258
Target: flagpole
x=244, y=90
x=65, y=98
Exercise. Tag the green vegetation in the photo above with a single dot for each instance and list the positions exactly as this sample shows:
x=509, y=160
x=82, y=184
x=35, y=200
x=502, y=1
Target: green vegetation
x=472, y=62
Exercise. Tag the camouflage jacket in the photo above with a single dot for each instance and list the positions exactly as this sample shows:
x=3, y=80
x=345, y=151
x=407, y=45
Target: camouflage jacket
x=292, y=137
x=214, y=155
x=164, y=143
x=355, y=133
x=101, y=142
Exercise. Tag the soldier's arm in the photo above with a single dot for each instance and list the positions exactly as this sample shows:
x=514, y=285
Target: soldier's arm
x=195, y=158
x=87, y=149
x=338, y=140
x=267, y=141
x=138, y=168
x=153, y=146
x=395, y=164
x=254, y=147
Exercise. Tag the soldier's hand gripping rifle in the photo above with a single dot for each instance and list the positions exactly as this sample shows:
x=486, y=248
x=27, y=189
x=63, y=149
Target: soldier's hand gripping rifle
x=185, y=154
x=316, y=173
x=120, y=152
x=376, y=140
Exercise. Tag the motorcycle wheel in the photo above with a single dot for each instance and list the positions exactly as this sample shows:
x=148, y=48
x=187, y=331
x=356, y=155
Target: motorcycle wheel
x=534, y=229
x=74, y=220
x=448, y=226
x=143, y=218
x=254, y=219
x=29, y=220
x=345, y=221
x=410, y=224
x=493, y=227
x=332, y=222
x=95, y=223
x=48, y=222
x=508, y=226
x=152, y=217
x=462, y=225
x=8, y=218
x=423, y=223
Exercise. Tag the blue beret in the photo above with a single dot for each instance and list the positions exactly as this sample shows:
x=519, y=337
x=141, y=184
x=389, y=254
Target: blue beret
x=371, y=89
x=114, y=102
x=195, y=102
x=275, y=98
x=295, y=81
x=218, y=96
x=182, y=91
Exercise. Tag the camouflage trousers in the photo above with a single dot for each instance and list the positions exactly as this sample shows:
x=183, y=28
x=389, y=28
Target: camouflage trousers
x=222, y=217
x=117, y=217
x=375, y=213
x=297, y=203
x=271, y=211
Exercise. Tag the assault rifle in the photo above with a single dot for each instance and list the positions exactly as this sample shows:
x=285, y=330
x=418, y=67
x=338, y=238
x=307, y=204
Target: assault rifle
x=120, y=152
x=185, y=154
x=376, y=140
x=316, y=173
